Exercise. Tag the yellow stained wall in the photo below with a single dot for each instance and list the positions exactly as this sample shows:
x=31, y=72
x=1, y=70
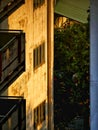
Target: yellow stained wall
x=32, y=84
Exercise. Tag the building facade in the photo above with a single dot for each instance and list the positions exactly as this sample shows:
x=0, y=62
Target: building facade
x=26, y=67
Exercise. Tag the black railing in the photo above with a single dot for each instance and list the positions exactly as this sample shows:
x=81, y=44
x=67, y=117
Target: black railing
x=12, y=113
x=12, y=56
x=9, y=6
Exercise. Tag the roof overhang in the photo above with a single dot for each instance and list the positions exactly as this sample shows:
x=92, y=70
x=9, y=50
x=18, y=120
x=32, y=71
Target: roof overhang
x=74, y=9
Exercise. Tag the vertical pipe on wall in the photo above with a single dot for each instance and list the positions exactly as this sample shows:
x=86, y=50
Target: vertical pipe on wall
x=94, y=65
x=50, y=45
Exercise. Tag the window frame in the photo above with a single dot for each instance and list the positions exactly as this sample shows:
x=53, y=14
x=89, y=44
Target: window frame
x=39, y=114
x=39, y=56
x=38, y=3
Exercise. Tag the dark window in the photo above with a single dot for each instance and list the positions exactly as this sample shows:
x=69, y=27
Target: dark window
x=39, y=55
x=42, y=53
x=38, y=3
x=39, y=114
x=35, y=57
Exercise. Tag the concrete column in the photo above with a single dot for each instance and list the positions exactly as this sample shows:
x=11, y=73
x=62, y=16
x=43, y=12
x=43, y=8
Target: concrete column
x=94, y=65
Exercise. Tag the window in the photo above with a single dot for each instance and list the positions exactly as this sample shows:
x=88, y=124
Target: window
x=39, y=114
x=38, y=3
x=42, y=53
x=35, y=57
x=39, y=55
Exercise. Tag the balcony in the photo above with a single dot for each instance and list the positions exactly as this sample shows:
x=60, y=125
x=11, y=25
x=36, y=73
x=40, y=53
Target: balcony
x=9, y=6
x=12, y=113
x=12, y=56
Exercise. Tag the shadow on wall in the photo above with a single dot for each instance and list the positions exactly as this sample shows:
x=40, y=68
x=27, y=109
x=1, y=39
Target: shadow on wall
x=29, y=124
x=4, y=25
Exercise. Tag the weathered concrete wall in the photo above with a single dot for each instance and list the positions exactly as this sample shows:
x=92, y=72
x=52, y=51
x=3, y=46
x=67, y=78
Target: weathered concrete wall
x=32, y=84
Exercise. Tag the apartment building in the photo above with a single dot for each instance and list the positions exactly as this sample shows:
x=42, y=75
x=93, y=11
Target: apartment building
x=26, y=64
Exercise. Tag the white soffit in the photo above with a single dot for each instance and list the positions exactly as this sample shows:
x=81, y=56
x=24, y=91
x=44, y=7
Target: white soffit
x=74, y=9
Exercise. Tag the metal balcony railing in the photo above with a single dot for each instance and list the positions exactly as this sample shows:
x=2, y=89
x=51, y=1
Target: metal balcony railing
x=12, y=113
x=9, y=6
x=12, y=56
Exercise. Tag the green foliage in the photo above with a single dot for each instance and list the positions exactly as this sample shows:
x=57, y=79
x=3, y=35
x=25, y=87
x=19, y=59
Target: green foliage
x=72, y=56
